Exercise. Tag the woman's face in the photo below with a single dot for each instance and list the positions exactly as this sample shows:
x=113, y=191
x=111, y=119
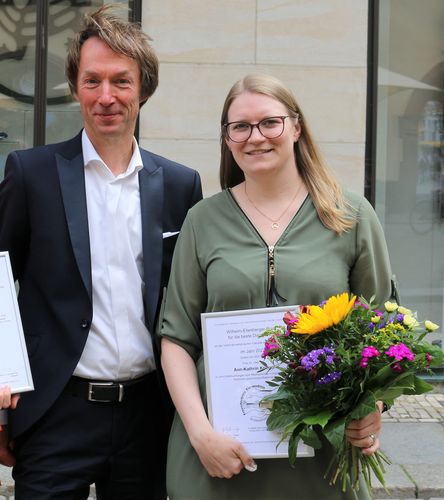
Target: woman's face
x=258, y=154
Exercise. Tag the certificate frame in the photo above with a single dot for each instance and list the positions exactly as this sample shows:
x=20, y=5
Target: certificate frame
x=232, y=352
x=14, y=363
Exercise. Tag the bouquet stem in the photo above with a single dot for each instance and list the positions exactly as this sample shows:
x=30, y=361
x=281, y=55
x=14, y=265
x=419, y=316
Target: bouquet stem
x=351, y=463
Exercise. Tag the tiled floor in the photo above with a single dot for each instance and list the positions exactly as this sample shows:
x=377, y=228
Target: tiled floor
x=424, y=408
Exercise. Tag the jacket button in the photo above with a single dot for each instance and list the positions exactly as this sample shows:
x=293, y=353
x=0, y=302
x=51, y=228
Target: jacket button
x=84, y=324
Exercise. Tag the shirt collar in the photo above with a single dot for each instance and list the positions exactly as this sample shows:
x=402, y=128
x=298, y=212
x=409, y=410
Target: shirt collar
x=90, y=155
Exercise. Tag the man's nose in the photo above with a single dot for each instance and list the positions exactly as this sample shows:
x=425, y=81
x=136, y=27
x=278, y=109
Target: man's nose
x=106, y=96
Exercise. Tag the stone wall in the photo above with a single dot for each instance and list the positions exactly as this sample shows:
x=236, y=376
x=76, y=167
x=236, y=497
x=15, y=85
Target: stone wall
x=317, y=47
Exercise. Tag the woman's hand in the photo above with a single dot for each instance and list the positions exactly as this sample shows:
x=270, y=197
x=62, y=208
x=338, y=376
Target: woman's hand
x=8, y=400
x=364, y=433
x=221, y=455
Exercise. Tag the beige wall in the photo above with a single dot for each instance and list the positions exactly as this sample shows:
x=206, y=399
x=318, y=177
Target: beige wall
x=317, y=47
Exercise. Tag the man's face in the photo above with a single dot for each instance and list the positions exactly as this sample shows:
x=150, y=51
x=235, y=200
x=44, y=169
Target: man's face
x=108, y=90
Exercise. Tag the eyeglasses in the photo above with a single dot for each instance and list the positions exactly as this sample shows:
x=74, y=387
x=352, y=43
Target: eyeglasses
x=271, y=128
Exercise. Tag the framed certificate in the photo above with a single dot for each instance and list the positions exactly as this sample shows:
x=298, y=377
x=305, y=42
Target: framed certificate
x=14, y=364
x=232, y=354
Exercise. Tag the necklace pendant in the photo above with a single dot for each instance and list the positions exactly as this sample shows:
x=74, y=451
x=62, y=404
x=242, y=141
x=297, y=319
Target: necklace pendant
x=275, y=225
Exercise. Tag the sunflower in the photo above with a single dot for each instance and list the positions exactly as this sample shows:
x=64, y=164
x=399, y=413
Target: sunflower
x=318, y=318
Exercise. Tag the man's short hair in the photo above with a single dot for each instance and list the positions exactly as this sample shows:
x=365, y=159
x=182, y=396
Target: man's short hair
x=123, y=37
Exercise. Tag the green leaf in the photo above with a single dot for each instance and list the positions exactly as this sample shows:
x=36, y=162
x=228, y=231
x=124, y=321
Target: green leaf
x=281, y=420
x=309, y=436
x=321, y=418
x=334, y=432
x=293, y=447
x=366, y=405
x=276, y=396
x=421, y=386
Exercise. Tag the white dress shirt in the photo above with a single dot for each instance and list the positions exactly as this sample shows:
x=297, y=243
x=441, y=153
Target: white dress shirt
x=119, y=345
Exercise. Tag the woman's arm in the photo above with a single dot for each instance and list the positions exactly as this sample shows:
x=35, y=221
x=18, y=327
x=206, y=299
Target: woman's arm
x=221, y=455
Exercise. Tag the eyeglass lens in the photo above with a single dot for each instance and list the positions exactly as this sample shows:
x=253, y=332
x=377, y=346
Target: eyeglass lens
x=270, y=128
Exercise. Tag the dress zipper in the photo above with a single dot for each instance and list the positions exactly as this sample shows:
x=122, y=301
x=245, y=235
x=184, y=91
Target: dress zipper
x=273, y=297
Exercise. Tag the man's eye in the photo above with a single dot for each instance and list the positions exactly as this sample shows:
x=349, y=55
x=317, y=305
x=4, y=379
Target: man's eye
x=122, y=81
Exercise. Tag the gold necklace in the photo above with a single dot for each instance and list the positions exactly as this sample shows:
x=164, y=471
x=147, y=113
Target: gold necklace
x=274, y=222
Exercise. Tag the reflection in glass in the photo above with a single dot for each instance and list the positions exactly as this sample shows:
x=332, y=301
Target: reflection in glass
x=17, y=68
x=17, y=71
x=410, y=150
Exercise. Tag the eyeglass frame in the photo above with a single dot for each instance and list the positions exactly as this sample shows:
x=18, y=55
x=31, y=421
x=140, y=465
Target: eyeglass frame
x=252, y=125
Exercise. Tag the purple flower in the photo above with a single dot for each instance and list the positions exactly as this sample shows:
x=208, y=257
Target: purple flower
x=399, y=317
x=329, y=378
x=317, y=356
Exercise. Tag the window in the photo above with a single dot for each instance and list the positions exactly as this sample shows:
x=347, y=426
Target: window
x=409, y=153
x=35, y=103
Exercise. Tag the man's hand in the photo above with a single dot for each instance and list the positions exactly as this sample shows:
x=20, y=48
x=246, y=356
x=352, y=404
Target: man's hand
x=6, y=456
x=8, y=400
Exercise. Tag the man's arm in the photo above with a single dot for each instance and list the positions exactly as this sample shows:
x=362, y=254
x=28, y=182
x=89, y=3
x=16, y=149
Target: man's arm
x=14, y=222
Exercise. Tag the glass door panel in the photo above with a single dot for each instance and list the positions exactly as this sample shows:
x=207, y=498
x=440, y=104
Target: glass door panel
x=17, y=69
x=18, y=36
x=410, y=150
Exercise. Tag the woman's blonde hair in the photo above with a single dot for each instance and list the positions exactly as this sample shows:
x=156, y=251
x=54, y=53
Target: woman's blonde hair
x=333, y=210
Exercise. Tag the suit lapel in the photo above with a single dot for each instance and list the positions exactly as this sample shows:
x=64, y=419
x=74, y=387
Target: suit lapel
x=151, y=199
x=72, y=184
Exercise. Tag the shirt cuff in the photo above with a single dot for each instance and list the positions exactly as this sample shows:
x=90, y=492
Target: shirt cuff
x=3, y=417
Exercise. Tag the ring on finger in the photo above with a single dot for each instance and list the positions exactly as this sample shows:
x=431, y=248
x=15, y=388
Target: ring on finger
x=373, y=438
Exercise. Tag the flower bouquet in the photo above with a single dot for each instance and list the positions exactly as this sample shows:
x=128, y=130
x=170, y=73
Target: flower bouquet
x=334, y=361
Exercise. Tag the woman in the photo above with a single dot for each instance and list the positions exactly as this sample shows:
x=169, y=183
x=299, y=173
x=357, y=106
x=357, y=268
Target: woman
x=281, y=232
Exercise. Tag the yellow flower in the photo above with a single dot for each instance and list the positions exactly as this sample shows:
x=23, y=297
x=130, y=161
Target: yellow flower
x=390, y=306
x=409, y=320
x=430, y=326
x=375, y=319
x=404, y=310
x=319, y=318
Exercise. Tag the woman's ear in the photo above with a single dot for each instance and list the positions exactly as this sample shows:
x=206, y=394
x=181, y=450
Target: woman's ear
x=297, y=132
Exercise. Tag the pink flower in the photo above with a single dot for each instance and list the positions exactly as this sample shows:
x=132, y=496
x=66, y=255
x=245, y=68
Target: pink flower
x=271, y=347
x=397, y=368
x=289, y=318
x=400, y=352
x=363, y=363
x=367, y=353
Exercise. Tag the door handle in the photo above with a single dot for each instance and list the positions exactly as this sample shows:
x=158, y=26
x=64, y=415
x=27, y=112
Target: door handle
x=3, y=135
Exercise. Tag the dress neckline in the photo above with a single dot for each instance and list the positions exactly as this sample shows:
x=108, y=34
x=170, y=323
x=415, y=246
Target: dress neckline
x=255, y=230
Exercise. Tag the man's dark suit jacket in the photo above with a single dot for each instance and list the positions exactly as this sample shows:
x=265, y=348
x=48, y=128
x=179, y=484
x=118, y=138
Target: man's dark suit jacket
x=44, y=226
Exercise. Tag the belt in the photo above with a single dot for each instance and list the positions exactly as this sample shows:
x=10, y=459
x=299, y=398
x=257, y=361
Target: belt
x=101, y=391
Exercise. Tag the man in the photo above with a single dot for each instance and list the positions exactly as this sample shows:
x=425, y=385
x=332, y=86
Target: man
x=90, y=225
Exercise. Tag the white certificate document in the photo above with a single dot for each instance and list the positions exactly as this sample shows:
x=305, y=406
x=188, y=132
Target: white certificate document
x=14, y=364
x=232, y=354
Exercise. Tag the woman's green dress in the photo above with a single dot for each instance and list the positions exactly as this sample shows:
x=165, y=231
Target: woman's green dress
x=220, y=264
